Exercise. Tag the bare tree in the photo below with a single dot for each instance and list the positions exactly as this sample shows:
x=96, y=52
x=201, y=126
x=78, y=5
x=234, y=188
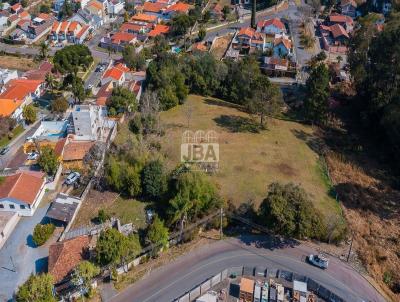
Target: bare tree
x=150, y=112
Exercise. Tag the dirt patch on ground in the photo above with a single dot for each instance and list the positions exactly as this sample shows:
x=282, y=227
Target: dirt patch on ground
x=372, y=209
x=19, y=63
x=285, y=169
x=220, y=45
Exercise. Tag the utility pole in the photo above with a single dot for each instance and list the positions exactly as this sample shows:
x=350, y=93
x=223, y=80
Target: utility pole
x=351, y=245
x=220, y=225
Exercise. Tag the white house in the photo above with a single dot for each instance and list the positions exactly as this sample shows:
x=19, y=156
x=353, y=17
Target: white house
x=88, y=122
x=22, y=192
x=115, y=7
x=6, y=75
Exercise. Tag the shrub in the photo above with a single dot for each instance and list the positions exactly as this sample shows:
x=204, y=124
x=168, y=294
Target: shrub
x=102, y=216
x=42, y=233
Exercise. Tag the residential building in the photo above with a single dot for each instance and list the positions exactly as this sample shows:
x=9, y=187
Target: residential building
x=248, y=38
x=74, y=153
x=23, y=89
x=144, y=19
x=22, y=192
x=115, y=74
x=16, y=8
x=84, y=16
x=64, y=256
x=115, y=7
x=246, y=290
x=96, y=8
x=11, y=108
x=282, y=46
x=63, y=209
x=175, y=9
x=153, y=8
x=8, y=221
x=69, y=31
x=88, y=122
x=216, y=12
x=6, y=75
x=345, y=21
x=134, y=28
x=276, y=63
x=118, y=40
x=158, y=30
x=104, y=93
x=349, y=8
x=271, y=26
x=334, y=38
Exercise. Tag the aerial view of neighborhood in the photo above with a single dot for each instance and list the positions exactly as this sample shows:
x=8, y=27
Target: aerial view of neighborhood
x=200, y=150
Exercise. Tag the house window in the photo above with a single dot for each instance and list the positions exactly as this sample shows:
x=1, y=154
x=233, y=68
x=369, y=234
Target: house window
x=1, y=206
x=22, y=207
x=12, y=206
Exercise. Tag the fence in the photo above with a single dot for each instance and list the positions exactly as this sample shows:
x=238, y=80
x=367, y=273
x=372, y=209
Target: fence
x=261, y=272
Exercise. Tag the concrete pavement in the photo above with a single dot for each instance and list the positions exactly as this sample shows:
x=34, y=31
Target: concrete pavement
x=19, y=257
x=178, y=277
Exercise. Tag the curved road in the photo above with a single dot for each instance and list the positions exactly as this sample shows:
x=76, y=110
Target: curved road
x=176, y=278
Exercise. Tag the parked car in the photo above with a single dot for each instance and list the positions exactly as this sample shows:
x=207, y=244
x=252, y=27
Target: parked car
x=318, y=260
x=90, y=86
x=4, y=150
x=33, y=156
x=72, y=178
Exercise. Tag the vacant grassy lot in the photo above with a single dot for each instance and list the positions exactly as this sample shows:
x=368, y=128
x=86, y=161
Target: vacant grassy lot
x=250, y=160
x=16, y=131
x=19, y=63
x=128, y=210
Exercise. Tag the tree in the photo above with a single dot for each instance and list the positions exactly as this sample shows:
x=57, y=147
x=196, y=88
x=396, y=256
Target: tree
x=160, y=45
x=202, y=33
x=42, y=232
x=50, y=81
x=158, y=233
x=71, y=58
x=66, y=10
x=133, y=59
x=226, y=10
x=267, y=99
x=317, y=94
x=6, y=125
x=113, y=174
x=44, y=50
x=83, y=274
x=132, y=181
x=24, y=3
x=36, y=288
x=122, y=100
x=206, y=16
x=154, y=180
x=78, y=89
x=29, y=114
x=339, y=59
x=288, y=211
x=59, y=105
x=48, y=160
x=113, y=247
x=253, y=13
x=126, y=16
x=102, y=216
x=180, y=24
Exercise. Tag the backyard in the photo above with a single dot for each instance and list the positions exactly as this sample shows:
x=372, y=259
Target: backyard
x=249, y=159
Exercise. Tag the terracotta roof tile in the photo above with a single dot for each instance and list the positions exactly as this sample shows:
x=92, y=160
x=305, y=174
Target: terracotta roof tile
x=22, y=186
x=8, y=106
x=131, y=27
x=275, y=22
x=58, y=149
x=153, y=7
x=337, y=30
x=179, y=7
x=65, y=256
x=144, y=18
x=246, y=31
x=124, y=37
x=159, y=29
x=76, y=150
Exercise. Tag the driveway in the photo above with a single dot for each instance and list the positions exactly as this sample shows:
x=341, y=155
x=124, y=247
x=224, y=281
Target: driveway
x=19, y=258
x=173, y=280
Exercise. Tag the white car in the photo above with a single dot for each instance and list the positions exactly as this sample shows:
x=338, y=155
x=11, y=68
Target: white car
x=318, y=260
x=72, y=178
x=33, y=156
x=90, y=86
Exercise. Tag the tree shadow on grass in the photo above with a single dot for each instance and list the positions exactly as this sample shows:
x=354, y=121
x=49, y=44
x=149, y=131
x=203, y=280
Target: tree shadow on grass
x=216, y=102
x=235, y=123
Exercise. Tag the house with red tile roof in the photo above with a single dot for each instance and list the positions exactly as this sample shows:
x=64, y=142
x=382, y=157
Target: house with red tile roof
x=16, y=8
x=271, y=26
x=248, y=38
x=69, y=31
x=143, y=19
x=118, y=40
x=345, y=21
x=154, y=8
x=334, y=38
x=282, y=46
x=158, y=29
x=175, y=9
x=132, y=28
x=11, y=108
x=64, y=256
x=115, y=74
x=23, y=89
x=22, y=192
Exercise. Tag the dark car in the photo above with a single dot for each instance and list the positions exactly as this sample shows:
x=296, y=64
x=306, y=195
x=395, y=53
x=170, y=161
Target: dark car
x=4, y=150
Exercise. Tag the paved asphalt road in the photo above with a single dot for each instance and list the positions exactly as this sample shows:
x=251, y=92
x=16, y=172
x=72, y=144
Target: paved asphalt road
x=173, y=280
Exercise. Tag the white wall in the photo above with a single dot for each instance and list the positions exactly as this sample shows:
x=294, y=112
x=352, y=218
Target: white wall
x=9, y=227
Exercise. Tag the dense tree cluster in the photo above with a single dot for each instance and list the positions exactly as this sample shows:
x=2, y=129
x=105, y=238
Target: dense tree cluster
x=239, y=82
x=121, y=100
x=114, y=247
x=29, y=114
x=287, y=210
x=36, y=288
x=71, y=58
x=376, y=75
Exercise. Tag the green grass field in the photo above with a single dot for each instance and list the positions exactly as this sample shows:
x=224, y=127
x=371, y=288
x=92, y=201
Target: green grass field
x=249, y=161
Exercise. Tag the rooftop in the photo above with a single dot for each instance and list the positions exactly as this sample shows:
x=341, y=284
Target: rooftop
x=76, y=150
x=23, y=186
x=247, y=285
